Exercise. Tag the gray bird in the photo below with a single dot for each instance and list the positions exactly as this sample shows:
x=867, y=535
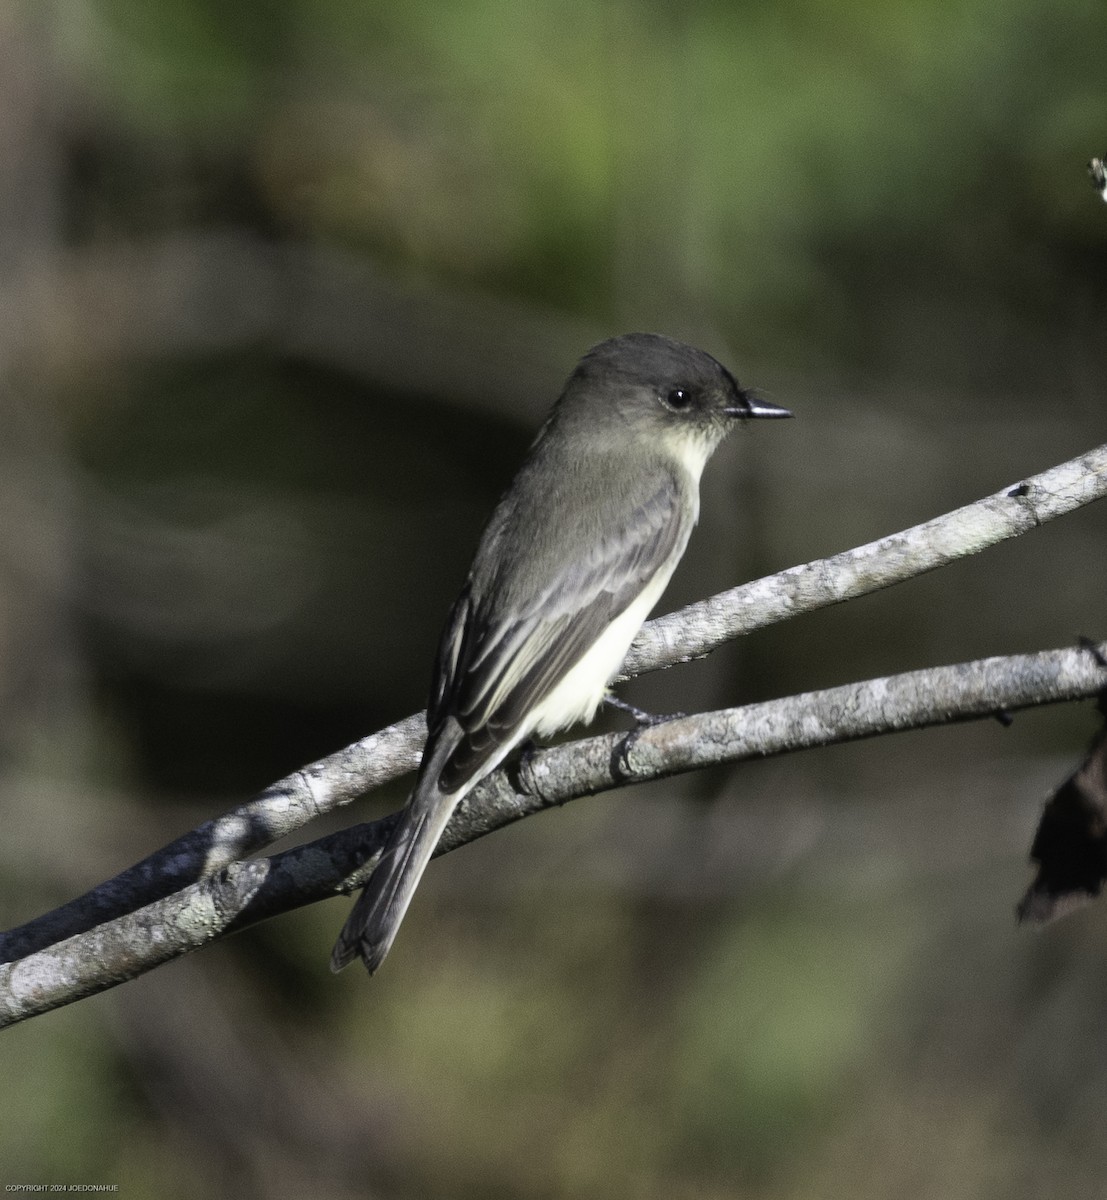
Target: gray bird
x=576, y=554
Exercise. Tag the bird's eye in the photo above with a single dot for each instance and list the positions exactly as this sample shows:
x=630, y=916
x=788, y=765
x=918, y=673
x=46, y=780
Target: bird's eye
x=678, y=398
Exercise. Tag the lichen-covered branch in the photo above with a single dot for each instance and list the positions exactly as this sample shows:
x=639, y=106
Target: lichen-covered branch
x=243, y=893
x=279, y=810
x=1016, y=509
x=692, y=632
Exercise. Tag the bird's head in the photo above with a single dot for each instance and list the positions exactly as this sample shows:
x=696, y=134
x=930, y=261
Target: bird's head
x=645, y=386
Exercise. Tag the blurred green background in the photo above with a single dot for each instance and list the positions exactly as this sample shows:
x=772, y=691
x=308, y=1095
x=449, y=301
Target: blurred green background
x=285, y=289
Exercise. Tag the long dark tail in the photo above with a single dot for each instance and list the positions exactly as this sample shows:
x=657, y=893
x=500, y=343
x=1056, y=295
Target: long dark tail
x=375, y=919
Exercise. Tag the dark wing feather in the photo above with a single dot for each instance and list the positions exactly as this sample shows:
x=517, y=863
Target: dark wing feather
x=458, y=627
x=494, y=667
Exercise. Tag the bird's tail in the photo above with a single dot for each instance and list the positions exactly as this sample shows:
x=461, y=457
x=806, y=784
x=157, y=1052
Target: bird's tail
x=375, y=919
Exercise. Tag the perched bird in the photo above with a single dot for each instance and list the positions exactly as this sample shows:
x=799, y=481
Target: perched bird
x=576, y=554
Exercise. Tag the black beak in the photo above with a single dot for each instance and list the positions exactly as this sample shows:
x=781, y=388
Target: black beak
x=752, y=406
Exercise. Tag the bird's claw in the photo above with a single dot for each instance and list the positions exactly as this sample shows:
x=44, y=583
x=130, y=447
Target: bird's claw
x=620, y=765
x=641, y=718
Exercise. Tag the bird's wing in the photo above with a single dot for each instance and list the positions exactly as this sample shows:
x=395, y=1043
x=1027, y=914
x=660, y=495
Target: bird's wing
x=498, y=661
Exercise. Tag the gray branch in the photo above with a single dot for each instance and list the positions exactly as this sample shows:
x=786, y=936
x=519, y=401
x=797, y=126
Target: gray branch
x=695, y=631
x=207, y=862
x=242, y=893
x=281, y=809
x=705, y=626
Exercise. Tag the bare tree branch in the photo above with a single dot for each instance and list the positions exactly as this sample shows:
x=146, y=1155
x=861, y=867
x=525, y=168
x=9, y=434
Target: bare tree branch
x=708, y=624
x=332, y=782
x=243, y=893
x=279, y=810
x=693, y=632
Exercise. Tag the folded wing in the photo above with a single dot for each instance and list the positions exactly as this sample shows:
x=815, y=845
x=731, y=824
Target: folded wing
x=498, y=661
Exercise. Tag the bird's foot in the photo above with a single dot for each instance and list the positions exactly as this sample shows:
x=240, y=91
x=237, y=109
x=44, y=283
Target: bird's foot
x=523, y=770
x=620, y=762
x=642, y=718
x=1092, y=647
